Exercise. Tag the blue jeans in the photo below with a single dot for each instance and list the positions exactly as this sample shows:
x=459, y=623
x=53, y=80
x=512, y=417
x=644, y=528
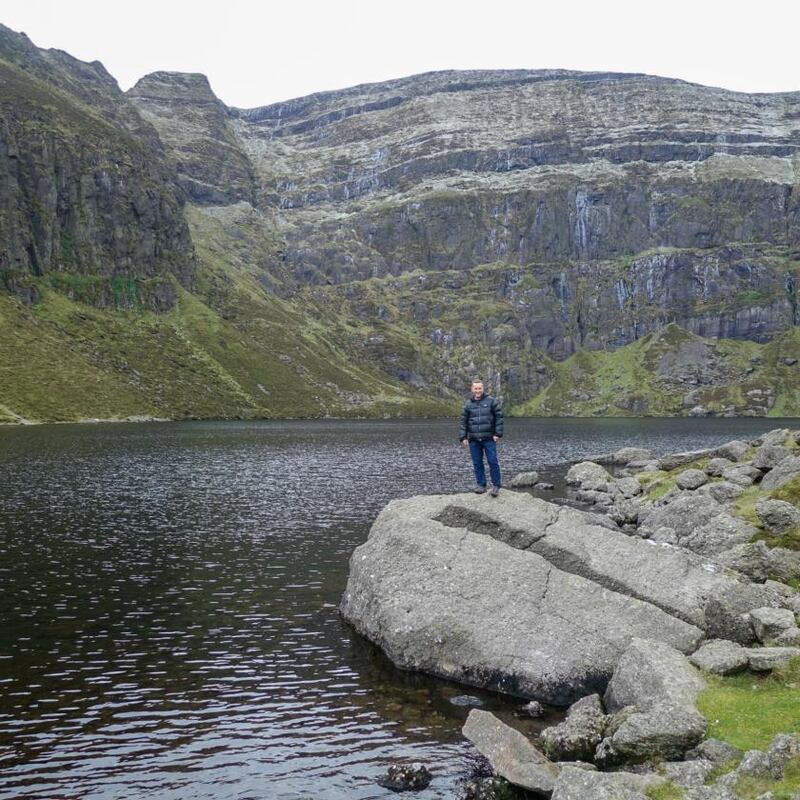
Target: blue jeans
x=477, y=450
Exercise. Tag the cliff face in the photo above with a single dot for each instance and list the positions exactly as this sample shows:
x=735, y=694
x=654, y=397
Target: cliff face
x=87, y=198
x=524, y=225
x=553, y=172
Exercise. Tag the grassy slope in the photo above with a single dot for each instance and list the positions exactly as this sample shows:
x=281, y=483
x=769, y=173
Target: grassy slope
x=626, y=381
x=250, y=354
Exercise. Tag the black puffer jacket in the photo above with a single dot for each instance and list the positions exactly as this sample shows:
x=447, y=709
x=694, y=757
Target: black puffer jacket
x=481, y=419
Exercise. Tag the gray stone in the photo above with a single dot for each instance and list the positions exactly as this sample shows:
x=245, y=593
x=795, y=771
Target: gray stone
x=629, y=487
x=768, y=623
x=688, y=773
x=577, y=737
x=444, y=586
x=723, y=491
x=545, y=486
x=625, y=512
x=626, y=455
x=788, y=638
x=675, y=460
x=716, y=751
x=782, y=473
x=589, y=476
x=578, y=784
x=691, y=479
x=741, y=474
x=777, y=436
x=777, y=515
x=770, y=455
x=735, y=450
x=665, y=731
x=720, y=656
x=716, y=466
x=651, y=672
x=697, y=522
x=523, y=480
x=765, y=659
x=721, y=533
x=683, y=515
x=510, y=753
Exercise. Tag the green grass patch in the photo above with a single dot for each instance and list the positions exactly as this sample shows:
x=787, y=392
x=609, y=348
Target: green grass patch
x=665, y=791
x=749, y=710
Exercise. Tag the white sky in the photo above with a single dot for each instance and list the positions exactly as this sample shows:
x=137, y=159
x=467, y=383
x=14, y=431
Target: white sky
x=256, y=53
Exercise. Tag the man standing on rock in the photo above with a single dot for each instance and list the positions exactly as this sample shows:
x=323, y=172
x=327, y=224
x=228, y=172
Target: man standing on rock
x=481, y=428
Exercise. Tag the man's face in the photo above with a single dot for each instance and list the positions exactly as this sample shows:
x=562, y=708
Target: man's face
x=477, y=390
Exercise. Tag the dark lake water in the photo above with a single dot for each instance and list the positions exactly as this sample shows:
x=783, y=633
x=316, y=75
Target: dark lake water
x=169, y=592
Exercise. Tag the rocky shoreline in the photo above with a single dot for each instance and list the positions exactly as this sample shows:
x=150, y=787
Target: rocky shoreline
x=675, y=570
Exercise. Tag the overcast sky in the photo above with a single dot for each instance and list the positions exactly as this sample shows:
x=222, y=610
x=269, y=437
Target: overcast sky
x=255, y=53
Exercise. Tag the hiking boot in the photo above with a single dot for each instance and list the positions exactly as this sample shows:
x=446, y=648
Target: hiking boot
x=495, y=491
x=479, y=489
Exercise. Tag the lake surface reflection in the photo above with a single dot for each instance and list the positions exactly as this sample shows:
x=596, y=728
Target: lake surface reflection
x=169, y=592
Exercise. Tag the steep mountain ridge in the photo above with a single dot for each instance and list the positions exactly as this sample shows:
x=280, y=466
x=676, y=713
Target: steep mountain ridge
x=366, y=251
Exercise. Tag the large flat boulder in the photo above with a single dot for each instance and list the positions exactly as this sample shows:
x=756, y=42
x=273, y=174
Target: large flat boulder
x=467, y=602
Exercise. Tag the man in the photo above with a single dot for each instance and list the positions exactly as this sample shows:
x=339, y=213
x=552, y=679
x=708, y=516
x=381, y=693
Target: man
x=481, y=428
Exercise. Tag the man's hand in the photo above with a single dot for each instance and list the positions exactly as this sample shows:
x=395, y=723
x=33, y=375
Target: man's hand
x=464, y=442
x=496, y=438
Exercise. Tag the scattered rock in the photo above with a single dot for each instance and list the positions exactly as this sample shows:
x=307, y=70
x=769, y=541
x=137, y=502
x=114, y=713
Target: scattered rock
x=735, y=450
x=651, y=672
x=688, y=773
x=675, y=460
x=790, y=362
x=716, y=466
x=721, y=657
x=788, y=638
x=406, y=778
x=626, y=455
x=544, y=486
x=765, y=659
x=723, y=491
x=523, y=480
x=777, y=515
x=589, y=476
x=715, y=751
x=578, y=784
x=577, y=737
x=658, y=687
x=741, y=474
x=770, y=455
x=768, y=623
x=787, y=470
x=775, y=436
x=510, y=753
x=691, y=479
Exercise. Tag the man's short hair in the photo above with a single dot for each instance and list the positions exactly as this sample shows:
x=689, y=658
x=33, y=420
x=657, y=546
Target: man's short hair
x=476, y=380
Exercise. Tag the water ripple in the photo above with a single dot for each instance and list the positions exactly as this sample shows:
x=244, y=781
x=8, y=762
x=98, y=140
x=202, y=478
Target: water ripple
x=169, y=603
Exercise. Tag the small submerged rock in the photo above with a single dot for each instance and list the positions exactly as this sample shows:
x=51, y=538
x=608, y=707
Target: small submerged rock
x=466, y=701
x=406, y=777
